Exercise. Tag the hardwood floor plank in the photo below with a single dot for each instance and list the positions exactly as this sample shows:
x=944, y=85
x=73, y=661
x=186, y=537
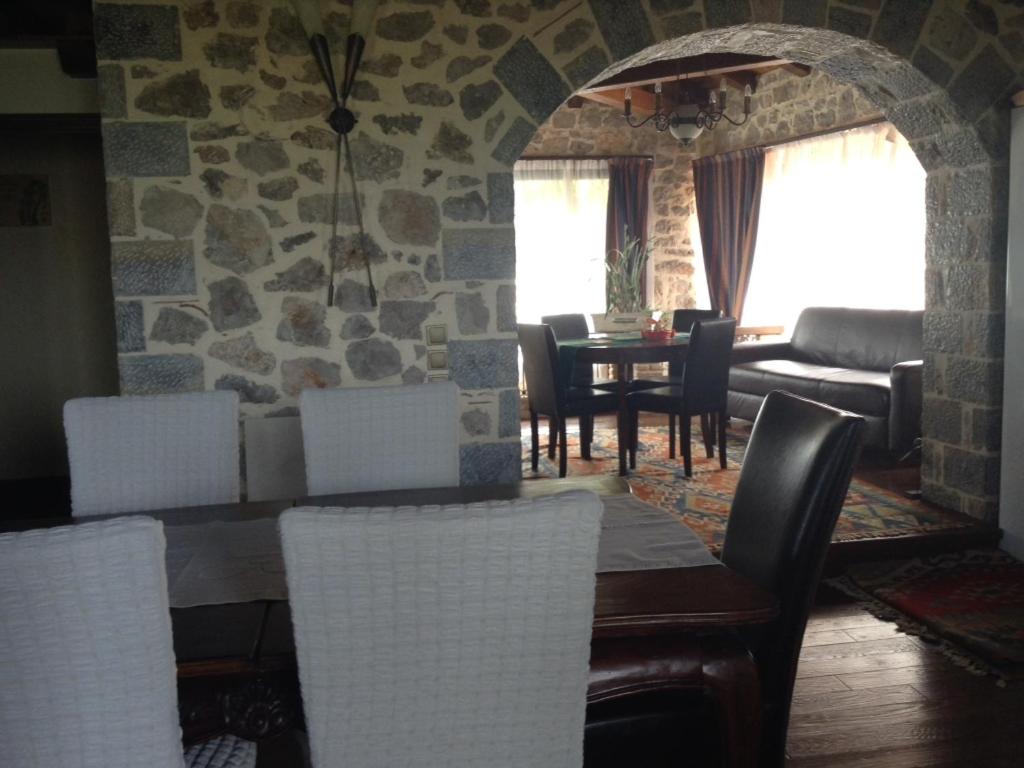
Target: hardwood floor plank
x=826, y=637
x=843, y=620
x=877, y=632
x=874, y=662
x=804, y=703
x=899, y=644
x=955, y=754
x=809, y=686
x=934, y=671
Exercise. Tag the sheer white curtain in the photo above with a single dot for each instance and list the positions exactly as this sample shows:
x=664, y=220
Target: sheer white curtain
x=842, y=224
x=560, y=210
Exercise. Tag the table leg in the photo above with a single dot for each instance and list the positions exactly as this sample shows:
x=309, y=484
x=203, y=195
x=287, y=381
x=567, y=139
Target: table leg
x=625, y=431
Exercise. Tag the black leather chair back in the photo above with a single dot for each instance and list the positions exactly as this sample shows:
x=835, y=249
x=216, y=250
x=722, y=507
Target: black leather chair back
x=540, y=363
x=682, y=322
x=706, y=372
x=790, y=491
x=573, y=326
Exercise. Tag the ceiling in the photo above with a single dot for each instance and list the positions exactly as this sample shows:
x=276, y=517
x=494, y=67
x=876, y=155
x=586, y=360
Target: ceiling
x=684, y=81
x=62, y=24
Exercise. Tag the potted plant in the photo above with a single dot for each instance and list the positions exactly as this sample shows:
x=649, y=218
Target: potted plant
x=625, y=288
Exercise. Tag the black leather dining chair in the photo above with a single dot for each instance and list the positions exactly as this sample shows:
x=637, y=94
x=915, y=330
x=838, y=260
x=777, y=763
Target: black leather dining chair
x=558, y=400
x=702, y=391
x=791, y=489
x=682, y=322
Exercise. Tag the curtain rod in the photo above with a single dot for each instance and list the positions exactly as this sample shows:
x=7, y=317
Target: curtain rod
x=825, y=132
x=586, y=157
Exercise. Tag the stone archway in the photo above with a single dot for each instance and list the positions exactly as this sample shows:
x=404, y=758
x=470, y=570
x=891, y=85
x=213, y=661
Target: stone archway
x=966, y=215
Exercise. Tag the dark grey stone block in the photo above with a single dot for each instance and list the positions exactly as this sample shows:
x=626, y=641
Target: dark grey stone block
x=131, y=330
x=986, y=428
x=489, y=364
x=624, y=26
x=900, y=24
x=971, y=473
x=500, y=198
x=110, y=87
x=137, y=32
x=981, y=83
x=490, y=463
x=152, y=268
x=805, y=13
x=121, y=207
x=479, y=254
x=943, y=420
x=934, y=68
x=586, y=66
x=509, y=424
x=975, y=381
x=515, y=140
x=146, y=149
x=725, y=13
x=506, y=308
x=529, y=77
x=160, y=374
x=849, y=22
x=943, y=332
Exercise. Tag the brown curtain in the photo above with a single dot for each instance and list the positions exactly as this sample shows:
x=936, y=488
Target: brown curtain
x=629, y=185
x=728, y=191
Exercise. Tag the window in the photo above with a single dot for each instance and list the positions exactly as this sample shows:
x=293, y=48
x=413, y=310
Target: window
x=842, y=223
x=560, y=209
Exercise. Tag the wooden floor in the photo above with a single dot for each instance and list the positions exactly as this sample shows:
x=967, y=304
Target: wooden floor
x=869, y=695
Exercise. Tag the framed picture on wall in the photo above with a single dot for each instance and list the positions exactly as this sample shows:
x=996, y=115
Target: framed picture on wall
x=24, y=200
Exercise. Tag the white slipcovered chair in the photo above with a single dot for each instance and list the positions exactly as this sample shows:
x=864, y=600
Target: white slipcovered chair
x=130, y=454
x=380, y=438
x=87, y=675
x=455, y=636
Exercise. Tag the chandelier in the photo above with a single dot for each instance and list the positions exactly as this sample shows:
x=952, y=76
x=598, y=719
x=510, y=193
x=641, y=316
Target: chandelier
x=686, y=121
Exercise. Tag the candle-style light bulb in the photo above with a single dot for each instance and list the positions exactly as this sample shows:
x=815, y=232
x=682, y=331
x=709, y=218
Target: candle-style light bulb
x=628, y=104
x=747, y=93
x=721, y=94
x=657, y=96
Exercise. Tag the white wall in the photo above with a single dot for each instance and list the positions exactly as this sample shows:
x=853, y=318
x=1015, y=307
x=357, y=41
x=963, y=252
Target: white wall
x=1011, y=495
x=32, y=83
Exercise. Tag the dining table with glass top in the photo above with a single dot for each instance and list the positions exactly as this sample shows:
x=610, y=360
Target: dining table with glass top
x=623, y=352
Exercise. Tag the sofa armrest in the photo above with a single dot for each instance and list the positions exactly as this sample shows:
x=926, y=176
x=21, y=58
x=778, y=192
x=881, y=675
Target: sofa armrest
x=905, y=405
x=750, y=351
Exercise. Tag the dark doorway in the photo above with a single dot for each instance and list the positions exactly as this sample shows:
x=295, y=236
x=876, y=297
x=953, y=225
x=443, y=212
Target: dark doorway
x=56, y=305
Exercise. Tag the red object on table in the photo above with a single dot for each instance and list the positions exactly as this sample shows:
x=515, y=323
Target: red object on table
x=656, y=334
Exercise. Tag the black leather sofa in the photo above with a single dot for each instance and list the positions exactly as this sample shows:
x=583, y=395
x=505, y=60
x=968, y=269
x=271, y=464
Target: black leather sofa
x=867, y=361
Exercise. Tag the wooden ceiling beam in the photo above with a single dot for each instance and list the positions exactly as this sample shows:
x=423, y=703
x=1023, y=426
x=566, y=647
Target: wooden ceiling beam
x=799, y=70
x=643, y=101
x=699, y=67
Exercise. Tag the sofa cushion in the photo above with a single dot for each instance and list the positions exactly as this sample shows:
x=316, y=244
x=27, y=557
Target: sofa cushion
x=865, y=392
x=859, y=339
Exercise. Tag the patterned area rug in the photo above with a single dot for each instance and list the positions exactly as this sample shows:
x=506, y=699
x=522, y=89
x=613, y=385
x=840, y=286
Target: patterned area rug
x=703, y=501
x=970, y=603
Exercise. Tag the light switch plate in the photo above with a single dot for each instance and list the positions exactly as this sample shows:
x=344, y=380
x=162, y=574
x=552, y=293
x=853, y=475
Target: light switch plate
x=437, y=335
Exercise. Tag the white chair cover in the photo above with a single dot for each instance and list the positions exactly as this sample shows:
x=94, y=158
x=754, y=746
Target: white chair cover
x=129, y=454
x=87, y=673
x=380, y=438
x=455, y=636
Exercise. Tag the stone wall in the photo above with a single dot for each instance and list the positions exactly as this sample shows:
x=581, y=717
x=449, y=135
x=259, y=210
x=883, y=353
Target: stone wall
x=785, y=106
x=594, y=129
x=454, y=92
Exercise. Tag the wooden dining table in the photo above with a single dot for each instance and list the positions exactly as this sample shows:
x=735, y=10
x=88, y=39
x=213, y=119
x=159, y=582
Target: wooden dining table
x=623, y=353
x=227, y=653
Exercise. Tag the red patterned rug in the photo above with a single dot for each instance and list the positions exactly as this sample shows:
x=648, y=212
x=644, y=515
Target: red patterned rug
x=970, y=603
x=703, y=501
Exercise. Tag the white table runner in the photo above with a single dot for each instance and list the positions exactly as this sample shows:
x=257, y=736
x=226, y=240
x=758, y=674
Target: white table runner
x=220, y=562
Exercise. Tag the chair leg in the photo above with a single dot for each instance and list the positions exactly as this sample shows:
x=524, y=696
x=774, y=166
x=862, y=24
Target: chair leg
x=586, y=436
x=684, y=439
x=671, y=435
x=634, y=437
x=552, y=438
x=534, y=440
x=563, y=449
x=707, y=435
x=731, y=682
x=721, y=419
